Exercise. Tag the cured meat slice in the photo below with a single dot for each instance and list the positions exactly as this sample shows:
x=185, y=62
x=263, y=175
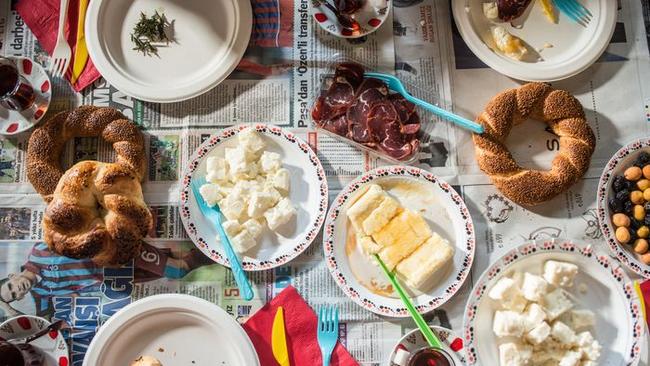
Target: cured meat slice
x=412, y=126
x=339, y=125
x=405, y=109
x=370, y=92
x=352, y=72
x=382, y=115
x=511, y=9
x=340, y=96
x=396, y=145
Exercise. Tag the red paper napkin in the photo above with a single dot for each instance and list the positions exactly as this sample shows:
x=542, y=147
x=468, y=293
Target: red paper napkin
x=300, y=324
x=42, y=18
x=643, y=289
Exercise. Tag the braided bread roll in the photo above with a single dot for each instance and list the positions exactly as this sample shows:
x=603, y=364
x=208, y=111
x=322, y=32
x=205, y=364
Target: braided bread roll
x=96, y=210
x=565, y=116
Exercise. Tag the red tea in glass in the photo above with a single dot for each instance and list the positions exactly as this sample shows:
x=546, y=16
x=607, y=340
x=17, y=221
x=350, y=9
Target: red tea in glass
x=430, y=357
x=15, y=91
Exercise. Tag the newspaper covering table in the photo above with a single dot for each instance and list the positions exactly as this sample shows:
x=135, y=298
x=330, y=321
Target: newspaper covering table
x=276, y=82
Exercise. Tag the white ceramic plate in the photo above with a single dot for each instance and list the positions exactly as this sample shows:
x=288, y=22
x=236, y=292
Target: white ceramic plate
x=617, y=164
x=14, y=122
x=610, y=295
x=175, y=329
x=210, y=38
x=444, y=211
x=52, y=345
x=368, y=18
x=575, y=47
x=414, y=340
x=308, y=194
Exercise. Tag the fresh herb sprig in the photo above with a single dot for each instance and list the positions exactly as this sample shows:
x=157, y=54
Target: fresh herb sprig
x=147, y=31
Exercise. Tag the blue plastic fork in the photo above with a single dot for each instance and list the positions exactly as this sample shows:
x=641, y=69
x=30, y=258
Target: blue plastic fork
x=213, y=214
x=574, y=10
x=328, y=331
x=396, y=85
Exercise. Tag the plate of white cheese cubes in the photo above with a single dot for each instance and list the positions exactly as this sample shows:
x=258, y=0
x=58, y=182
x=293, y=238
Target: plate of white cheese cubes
x=554, y=303
x=270, y=188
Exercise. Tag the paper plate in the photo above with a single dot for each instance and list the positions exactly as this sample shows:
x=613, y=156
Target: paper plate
x=14, y=122
x=445, y=212
x=175, y=329
x=574, y=47
x=414, y=340
x=368, y=18
x=209, y=39
x=53, y=345
x=308, y=193
x=610, y=295
x=617, y=164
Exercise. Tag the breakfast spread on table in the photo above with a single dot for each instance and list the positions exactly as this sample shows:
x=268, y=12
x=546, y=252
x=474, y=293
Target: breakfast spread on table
x=95, y=210
x=251, y=187
x=564, y=116
x=402, y=238
x=539, y=313
x=398, y=240
x=362, y=110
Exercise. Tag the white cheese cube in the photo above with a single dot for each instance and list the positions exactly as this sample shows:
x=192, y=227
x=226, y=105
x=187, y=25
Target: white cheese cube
x=556, y=303
x=508, y=294
x=253, y=227
x=260, y=202
x=243, y=241
x=582, y=318
x=534, y=287
x=232, y=208
x=508, y=323
x=217, y=169
x=270, y=162
x=539, y=334
x=236, y=159
x=563, y=333
x=560, y=273
x=491, y=11
x=281, y=181
x=210, y=193
x=514, y=354
x=251, y=140
x=231, y=227
x=589, y=347
x=241, y=190
x=280, y=214
x=534, y=315
x=571, y=358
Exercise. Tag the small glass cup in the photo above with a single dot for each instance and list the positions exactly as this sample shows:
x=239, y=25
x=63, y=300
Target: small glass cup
x=430, y=356
x=16, y=93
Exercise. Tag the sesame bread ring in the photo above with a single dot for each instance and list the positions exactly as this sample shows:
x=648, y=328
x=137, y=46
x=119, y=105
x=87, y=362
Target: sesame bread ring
x=46, y=143
x=564, y=115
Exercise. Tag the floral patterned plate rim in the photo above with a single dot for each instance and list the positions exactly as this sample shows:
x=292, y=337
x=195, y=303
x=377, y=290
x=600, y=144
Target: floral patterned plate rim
x=414, y=340
x=616, y=165
x=53, y=345
x=452, y=210
x=368, y=18
x=309, y=193
x=14, y=122
x=609, y=294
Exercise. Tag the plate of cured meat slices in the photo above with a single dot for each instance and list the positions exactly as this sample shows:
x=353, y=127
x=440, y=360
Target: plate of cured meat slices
x=363, y=112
